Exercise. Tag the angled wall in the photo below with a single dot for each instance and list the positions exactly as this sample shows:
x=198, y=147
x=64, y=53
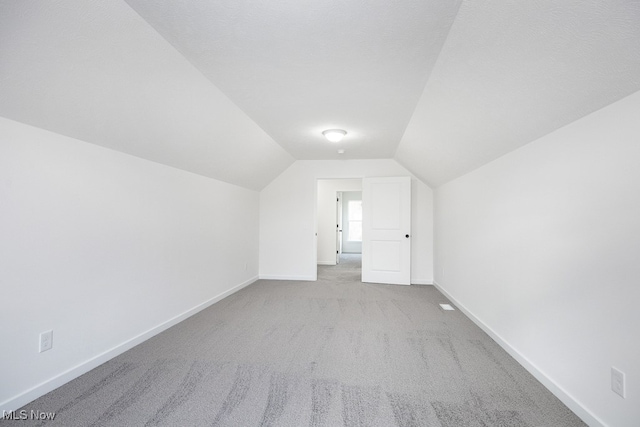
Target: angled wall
x=511, y=72
x=96, y=71
x=106, y=249
x=542, y=248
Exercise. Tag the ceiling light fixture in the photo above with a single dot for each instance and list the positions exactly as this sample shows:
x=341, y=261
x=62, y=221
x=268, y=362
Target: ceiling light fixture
x=334, y=135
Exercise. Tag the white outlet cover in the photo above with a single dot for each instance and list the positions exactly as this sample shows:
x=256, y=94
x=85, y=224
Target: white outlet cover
x=46, y=340
x=447, y=307
x=617, y=382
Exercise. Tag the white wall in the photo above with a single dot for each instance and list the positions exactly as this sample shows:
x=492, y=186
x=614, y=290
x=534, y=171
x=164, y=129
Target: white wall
x=542, y=246
x=106, y=249
x=288, y=217
x=327, y=189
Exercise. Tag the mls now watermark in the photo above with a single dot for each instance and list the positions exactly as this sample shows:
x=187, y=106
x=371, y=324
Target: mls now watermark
x=28, y=415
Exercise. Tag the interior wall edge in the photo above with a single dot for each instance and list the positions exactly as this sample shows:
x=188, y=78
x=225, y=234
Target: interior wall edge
x=578, y=408
x=51, y=384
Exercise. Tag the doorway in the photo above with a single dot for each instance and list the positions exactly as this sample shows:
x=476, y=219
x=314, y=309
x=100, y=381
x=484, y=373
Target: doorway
x=348, y=220
x=337, y=230
x=350, y=216
x=382, y=254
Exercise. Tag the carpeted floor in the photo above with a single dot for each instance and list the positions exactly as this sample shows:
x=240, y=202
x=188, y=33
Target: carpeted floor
x=327, y=353
x=349, y=269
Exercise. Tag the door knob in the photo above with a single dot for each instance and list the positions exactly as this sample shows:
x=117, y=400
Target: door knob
x=406, y=235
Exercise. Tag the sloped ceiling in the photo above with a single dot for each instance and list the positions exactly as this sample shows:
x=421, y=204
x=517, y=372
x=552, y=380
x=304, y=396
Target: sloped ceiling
x=238, y=89
x=511, y=72
x=298, y=67
x=96, y=71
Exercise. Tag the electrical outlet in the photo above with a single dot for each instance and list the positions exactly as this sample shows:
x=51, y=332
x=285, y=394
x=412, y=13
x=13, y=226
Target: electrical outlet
x=46, y=341
x=617, y=381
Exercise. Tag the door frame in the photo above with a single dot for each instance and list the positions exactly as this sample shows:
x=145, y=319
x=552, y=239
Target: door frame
x=339, y=225
x=315, y=213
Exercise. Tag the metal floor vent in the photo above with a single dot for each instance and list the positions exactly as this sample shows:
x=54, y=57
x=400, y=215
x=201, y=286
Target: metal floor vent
x=447, y=307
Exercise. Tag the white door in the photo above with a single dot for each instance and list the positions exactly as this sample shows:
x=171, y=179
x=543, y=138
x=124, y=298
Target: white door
x=386, y=234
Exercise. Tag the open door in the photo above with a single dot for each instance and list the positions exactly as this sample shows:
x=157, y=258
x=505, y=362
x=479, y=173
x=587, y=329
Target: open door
x=386, y=223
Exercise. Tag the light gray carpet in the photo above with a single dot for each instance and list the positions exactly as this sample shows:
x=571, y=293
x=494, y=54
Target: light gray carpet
x=348, y=270
x=326, y=353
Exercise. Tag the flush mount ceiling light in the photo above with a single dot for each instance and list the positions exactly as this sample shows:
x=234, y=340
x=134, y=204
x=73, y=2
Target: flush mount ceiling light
x=334, y=135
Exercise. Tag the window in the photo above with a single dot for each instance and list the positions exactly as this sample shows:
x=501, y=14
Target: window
x=355, y=220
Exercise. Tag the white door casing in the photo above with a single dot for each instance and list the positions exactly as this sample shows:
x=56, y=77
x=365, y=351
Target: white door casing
x=386, y=237
x=339, y=224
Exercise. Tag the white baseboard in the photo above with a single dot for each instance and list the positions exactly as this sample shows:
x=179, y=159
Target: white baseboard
x=278, y=277
x=326, y=263
x=45, y=387
x=551, y=385
x=421, y=282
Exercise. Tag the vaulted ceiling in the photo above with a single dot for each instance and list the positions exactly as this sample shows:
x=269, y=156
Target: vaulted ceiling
x=237, y=90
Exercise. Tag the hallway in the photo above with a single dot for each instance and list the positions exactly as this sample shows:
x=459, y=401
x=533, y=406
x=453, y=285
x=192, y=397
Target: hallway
x=349, y=269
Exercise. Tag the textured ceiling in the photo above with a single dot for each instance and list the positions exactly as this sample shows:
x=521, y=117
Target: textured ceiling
x=298, y=67
x=511, y=72
x=236, y=90
x=96, y=71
